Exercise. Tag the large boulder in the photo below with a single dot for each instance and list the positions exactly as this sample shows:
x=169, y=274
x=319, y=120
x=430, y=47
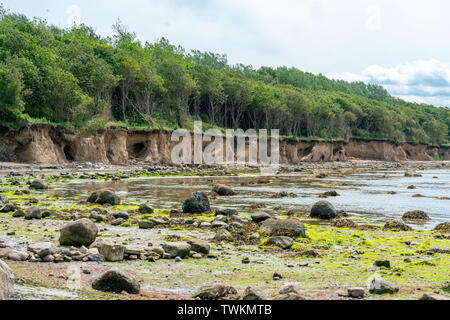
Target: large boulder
x=377, y=285
x=109, y=249
x=39, y=184
x=199, y=246
x=281, y=242
x=42, y=249
x=78, y=233
x=117, y=281
x=198, y=202
x=226, y=212
x=223, y=190
x=443, y=227
x=104, y=197
x=284, y=227
x=323, y=210
x=33, y=213
x=396, y=226
x=215, y=292
x=145, y=209
x=259, y=216
x=6, y=281
x=176, y=249
x=223, y=235
x=417, y=215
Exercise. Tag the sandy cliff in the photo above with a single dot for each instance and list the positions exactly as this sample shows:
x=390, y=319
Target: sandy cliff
x=46, y=144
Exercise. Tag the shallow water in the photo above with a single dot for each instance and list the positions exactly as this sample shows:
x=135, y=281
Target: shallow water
x=363, y=194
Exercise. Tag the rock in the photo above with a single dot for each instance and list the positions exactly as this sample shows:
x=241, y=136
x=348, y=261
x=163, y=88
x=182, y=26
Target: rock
x=121, y=215
x=215, y=292
x=383, y=263
x=289, y=297
x=178, y=259
x=443, y=227
x=396, y=226
x=96, y=258
x=330, y=194
x=14, y=255
x=255, y=237
x=356, y=292
x=9, y=207
x=78, y=233
x=6, y=281
x=49, y=258
x=344, y=223
x=277, y=276
x=284, y=227
x=176, y=249
x=223, y=235
x=409, y=174
x=223, y=190
x=42, y=249
x=197, y=203
x=416, y=215
x=33, y=213
x=200, y=246
x=281, y=242
x=158, y=250
x=289, y=288
x=259, y=216
x=145, y=209
x=250, y=294
x=434, y=296
x=117, y=281
x=323, y=210
x=39, y=184
x=226, y=212
x=118, y=222
x=18, y=214
x=146, y=224
x=104, y=197
x=412, y=187
x=219, y=224
x=111, y=251
x=246, y=260
x=377, y=285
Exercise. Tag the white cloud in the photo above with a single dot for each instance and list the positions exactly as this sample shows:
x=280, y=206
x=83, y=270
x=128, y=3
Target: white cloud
x=421, y=81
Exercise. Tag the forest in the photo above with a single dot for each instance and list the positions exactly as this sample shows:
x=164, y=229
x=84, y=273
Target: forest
x=87, y=82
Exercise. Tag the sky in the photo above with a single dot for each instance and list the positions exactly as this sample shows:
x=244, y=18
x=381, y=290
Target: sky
x=402, y=45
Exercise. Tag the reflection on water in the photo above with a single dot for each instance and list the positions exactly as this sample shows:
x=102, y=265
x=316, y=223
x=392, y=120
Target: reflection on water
x=360, y=194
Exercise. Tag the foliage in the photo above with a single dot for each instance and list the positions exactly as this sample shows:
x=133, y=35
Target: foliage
x=76, y=77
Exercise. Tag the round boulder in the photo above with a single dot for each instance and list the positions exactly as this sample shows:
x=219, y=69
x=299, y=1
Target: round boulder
x=6, y=281
x=78, y=233
x=104, y=197
x=416, y=216
x=39, y=184
x=117, y=281
x=284, y=227
x=223, y=190
x=323, y=210
x=197, y=203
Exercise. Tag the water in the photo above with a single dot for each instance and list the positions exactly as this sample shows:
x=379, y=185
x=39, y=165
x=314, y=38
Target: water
x=361, y=194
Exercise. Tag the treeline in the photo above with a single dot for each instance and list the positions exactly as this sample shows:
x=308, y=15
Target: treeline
x=79, y=78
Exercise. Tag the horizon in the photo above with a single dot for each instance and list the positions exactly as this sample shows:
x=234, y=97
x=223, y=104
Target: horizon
x=421, y=76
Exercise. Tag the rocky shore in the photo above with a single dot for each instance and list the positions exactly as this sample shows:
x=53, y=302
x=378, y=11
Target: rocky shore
x=105, y=246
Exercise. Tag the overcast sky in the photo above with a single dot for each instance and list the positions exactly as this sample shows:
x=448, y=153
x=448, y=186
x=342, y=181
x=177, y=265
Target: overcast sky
x=401, y=44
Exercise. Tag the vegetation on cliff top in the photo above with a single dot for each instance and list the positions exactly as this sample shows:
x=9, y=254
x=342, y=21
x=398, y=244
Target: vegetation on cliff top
x=78, y=78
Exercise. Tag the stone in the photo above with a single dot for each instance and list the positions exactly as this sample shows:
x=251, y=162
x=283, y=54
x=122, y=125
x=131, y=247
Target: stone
x=18, y=214
x=176, y=249
x=158, y=250
x=104, y=197
x=14, y=255
x=200, y=246
x=111, y=251
x=215, y=292
x=250, y=294
x=6, y=281
x=121, y=215
x=145, y=209
x=356, y=292
x=396, y=226
x=223, y=235
x=330, y=194
x=434, y=296
x=289, y=297
x=49, y=258
x=33, y=213
x=219, y=224
x=443, y=227
x=42, y=249
x=378, y=285
x=281, y=242
x=284, y=227
x=382, y=263
x=117, y=281
x=146, y=224
x=96, y=258
x=344, y=223
x=289, y=288
x=323, y=210
x=255, y=237
x=226, y=212
x=197, y=203
x=118, y=222
x=78, y=233
x=39, y=184
x=417, y=215
x=259, y=216
x=178, y=259
x=9, y=207
x=223, y=190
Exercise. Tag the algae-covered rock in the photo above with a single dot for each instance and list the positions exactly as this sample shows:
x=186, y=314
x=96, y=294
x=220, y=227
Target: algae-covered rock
x=323, y=210
x=197, y=203
x=104, y=197
x=78, y=233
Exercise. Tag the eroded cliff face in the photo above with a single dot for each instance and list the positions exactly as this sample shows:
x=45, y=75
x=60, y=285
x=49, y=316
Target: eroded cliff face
x=50, y=145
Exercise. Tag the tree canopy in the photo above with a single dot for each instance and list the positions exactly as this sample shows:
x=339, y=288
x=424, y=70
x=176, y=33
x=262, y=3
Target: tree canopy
x=75, y=76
